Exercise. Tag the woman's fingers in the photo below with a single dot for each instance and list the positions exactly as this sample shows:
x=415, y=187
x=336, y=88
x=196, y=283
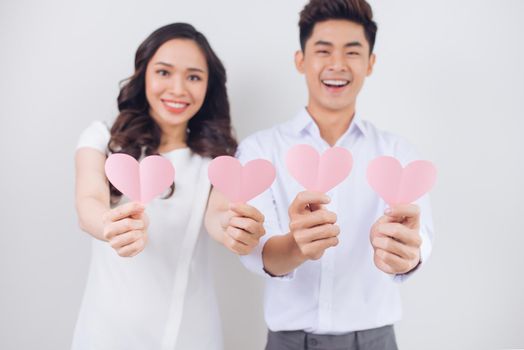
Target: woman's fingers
x=122, y=226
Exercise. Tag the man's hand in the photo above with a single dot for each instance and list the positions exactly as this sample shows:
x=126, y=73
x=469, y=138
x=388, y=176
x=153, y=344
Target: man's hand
x=396, y=240
x=311, y=225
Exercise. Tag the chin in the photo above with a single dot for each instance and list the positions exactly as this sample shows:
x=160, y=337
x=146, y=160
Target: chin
x=171, y=120
x=336, y=106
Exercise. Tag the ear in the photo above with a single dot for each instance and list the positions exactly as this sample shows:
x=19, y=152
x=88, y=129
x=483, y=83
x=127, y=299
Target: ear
x=299, y=61
x=371, y=64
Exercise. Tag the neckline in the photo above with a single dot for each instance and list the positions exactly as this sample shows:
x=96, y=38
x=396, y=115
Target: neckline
x=176, y=150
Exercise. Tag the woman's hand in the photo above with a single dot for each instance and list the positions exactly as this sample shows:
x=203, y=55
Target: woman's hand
x=125, y=228
x=243, y=226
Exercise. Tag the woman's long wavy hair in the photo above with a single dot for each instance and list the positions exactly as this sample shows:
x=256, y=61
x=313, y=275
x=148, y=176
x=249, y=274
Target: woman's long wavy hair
x=209, y=131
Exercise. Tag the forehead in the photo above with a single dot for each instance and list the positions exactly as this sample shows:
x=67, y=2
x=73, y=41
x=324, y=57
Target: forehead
x=338, y=32
x=181, y=53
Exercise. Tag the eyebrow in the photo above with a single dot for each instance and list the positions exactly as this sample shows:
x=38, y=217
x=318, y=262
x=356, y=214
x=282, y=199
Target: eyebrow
x=192, y=69
x=350, y=44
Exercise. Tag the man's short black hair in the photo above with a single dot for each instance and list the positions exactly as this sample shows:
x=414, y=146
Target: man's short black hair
x=357, y=11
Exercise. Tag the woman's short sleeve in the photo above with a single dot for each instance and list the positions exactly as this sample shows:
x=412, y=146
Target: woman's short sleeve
x=95, y=136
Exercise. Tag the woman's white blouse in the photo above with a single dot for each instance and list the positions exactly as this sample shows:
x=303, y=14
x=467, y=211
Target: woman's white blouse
x=163, y=298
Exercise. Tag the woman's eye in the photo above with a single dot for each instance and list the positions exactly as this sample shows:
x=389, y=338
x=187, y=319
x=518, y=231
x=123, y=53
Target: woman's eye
x=194, y=78
x=162, y=72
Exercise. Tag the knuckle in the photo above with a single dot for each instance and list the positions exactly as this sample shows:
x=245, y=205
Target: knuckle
x=229, y=241
x=412, y=255
x=233, y=221
x=252, y=227
x=106, y=232
x=317, y=255
x=325, y=216
x=418, y=240
x=237, y=246
x=121, y=253
x=236, y=233
x=113, y=244
x=126, y=223
x=294, y=225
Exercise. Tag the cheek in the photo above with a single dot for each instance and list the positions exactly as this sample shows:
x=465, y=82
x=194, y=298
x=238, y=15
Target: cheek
x=154, y=87
x=360, y=68
x=313, y=71
x=199, y=92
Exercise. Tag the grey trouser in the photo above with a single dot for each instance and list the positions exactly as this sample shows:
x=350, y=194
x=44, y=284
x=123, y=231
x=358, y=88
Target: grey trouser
x=382, y=338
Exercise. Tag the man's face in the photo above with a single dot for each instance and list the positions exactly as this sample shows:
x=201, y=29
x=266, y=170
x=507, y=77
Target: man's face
x=336, y=62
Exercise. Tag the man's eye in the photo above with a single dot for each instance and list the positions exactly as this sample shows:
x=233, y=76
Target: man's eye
x=323, y=52
x=353, y=53
x=162, y=72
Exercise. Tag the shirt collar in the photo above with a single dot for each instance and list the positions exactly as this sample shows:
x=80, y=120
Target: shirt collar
x=304, y=122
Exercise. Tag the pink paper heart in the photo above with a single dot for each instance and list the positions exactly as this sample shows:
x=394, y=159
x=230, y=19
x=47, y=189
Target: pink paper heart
x=241, y=183
x=397, y=185
x=140, y=182
x=319, y=173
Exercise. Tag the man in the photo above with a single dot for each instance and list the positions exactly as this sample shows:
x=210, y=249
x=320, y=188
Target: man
x=332, y=260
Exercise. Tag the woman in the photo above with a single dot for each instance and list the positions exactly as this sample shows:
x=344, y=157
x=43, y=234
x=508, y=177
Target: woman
x=175, y=105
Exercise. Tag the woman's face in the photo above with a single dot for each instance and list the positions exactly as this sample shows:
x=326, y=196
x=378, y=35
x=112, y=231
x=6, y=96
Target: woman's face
x=176, y=83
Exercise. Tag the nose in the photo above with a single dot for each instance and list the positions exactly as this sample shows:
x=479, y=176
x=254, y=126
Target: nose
x=178, y=86
x=338, y=62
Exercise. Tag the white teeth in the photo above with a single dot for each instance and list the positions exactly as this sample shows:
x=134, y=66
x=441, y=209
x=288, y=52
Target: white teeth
x=335, y=82
x=175, y=104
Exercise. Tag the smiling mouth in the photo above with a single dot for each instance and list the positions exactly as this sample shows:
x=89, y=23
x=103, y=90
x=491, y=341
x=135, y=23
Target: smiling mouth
x=335, y=83
x=175, y=106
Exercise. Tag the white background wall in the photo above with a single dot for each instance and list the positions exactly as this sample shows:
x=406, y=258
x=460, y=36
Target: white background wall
x=449, y=77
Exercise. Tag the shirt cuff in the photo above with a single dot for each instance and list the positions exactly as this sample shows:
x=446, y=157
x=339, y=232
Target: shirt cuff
x=254, y=262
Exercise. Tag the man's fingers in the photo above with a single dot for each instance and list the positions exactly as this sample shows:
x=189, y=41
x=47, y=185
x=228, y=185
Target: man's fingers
x=390, y=263
x=305, y=198
x=400, y=233
x=394, y=247
x=124, y=211
x=407, y=214
x=247, y=211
